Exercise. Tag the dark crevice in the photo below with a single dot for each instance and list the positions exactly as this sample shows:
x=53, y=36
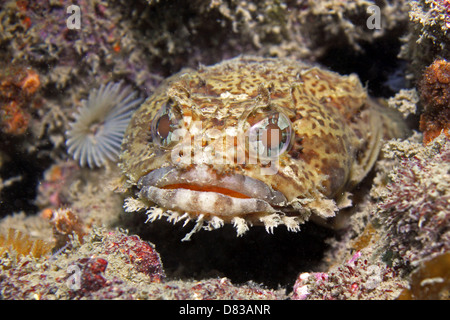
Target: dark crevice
x=270, y=259
x=21, y=194
x=377, y=64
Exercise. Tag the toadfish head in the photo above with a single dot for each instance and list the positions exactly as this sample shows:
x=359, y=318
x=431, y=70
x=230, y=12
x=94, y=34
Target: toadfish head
x=247, y=141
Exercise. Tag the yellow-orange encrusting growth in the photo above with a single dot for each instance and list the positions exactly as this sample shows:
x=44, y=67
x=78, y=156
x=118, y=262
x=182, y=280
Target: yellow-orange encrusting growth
x=434, y=90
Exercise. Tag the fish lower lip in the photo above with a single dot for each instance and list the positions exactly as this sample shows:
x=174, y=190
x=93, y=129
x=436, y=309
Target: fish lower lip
x=205, y=180
x=201, y=202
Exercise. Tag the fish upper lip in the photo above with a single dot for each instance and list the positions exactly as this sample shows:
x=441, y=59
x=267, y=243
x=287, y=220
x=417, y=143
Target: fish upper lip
x=203, y=176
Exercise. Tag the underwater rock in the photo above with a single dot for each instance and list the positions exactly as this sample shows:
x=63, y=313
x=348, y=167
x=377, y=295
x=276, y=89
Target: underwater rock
x=430, y=281
x=113, y=265
x=39, y=32
x=405, y=101
x=141, y=254
x=434, y=88
x=415, y=209
x=358, y=278
x=428, y=35
x=334, y=24
x=18, y=85
x=400, y=227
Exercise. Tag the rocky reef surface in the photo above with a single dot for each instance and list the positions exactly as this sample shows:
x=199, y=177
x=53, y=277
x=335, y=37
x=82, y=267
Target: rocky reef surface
x=64, y=233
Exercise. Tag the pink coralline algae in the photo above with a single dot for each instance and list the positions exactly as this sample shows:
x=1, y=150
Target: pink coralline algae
x=416, y=210
x=356, y=279
x=91, y=275
x=89, y=281
x=90, y=271
x=220, y=289
x=141, y=254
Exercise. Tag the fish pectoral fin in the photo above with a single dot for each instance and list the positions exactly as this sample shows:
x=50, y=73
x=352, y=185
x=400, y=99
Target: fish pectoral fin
x=377, y=124
x=371, y=144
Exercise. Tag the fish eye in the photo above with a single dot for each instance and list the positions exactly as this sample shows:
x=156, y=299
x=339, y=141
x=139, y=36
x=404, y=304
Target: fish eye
x=270, y=133
x=163, y=126
x=166, y=121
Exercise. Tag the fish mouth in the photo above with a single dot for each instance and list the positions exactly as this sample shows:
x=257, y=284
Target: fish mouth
x=202, y=190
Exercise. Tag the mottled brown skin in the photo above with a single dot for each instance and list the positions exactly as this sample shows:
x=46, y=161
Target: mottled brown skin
x=337, y=128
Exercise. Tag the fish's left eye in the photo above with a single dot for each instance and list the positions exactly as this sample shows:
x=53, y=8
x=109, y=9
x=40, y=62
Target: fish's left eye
x=166, y=121
x=271, y=136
